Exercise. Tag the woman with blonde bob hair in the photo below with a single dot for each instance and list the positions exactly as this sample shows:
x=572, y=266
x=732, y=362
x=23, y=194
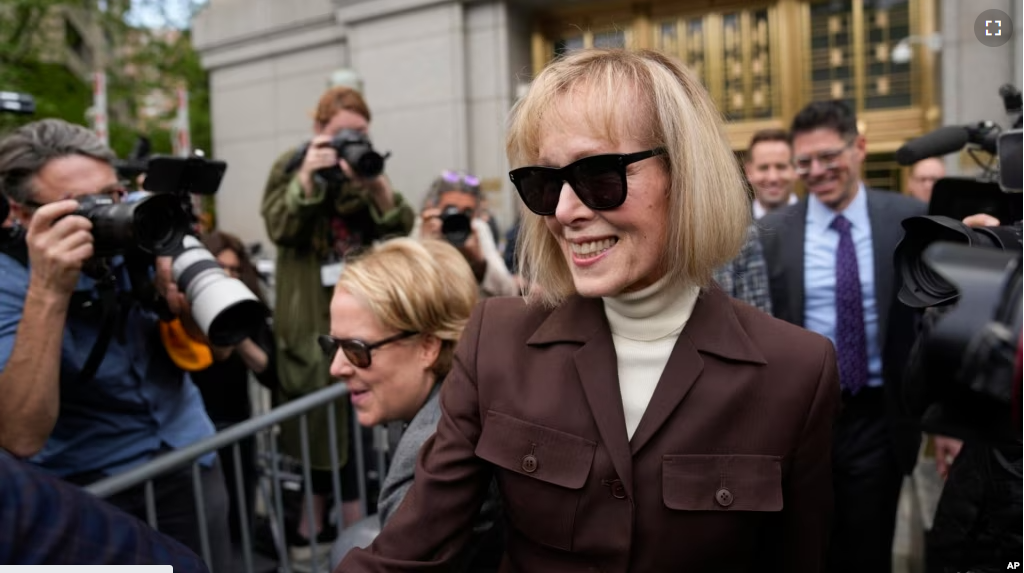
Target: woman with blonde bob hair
x=635, y=417
x=397, y=312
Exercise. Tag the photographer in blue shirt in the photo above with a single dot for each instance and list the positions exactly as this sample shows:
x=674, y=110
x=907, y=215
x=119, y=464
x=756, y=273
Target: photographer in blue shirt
x=77, y=413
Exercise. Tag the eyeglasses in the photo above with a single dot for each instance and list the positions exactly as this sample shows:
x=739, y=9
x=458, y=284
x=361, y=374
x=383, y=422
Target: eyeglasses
x=356, y=351
x=599, y=181
x=828, y=159
x=455, y=177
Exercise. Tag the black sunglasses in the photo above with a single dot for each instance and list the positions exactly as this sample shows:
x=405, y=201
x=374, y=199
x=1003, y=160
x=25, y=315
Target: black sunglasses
x=356, y=351
x=599, y=181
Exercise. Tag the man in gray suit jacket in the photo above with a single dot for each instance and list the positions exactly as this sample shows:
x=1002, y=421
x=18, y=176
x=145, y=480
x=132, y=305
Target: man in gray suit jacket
x=830, y=266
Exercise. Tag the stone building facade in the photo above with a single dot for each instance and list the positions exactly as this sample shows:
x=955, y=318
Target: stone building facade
x=441, y=75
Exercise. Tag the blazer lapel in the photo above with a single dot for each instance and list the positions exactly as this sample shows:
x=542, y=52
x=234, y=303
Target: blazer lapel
x=885, y=233
x=583, y=320
x=792, y=242
x=712, y=329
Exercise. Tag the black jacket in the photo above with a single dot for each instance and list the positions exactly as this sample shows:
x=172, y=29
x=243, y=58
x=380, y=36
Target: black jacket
x=977, y=524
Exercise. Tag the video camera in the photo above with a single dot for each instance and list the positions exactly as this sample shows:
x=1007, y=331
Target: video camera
x=352, y=146
x=962, y=373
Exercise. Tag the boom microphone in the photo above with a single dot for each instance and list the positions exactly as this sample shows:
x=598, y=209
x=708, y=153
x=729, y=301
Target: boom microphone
x=939, y=142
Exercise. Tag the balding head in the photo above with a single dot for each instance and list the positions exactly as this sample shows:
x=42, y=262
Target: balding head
x=923, y=176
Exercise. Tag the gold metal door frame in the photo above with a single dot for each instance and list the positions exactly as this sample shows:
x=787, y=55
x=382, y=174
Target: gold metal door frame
x=789, y=37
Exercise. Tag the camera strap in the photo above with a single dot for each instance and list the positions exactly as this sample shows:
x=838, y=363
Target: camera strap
x=108, y=308
x=15, y=247
x=12, y=244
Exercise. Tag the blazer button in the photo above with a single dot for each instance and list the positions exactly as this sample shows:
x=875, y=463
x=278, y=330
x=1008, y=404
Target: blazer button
x=529, y=463
x=724, y=497
x=618, y=490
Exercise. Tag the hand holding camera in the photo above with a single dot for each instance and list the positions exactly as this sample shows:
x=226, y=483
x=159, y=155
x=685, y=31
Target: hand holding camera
x=450, y=224
x=349, y=155
x=58, y=246
x=378, y=187
x=981, y=220
x=319, y=155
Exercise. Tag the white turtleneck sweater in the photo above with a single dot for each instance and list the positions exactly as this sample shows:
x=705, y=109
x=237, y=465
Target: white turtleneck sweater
x=645, y=326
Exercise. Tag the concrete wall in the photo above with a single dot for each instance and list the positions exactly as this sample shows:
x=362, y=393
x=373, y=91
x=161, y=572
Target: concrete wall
x=490, y=89
x=269, y=61
x=972, y=72
x=439, y=77
x=413, y=66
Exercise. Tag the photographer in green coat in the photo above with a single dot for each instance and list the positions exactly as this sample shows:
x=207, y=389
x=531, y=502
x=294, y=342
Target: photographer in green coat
x=317, y=208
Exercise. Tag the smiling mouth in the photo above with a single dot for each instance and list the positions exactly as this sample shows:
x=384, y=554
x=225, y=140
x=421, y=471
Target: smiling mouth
x=824, y=184
x=593, y=248
x=358, y=393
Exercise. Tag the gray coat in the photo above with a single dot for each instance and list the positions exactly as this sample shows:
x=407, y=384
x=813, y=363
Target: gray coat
x=403, y=468
x=403, y=463
x=406, y=443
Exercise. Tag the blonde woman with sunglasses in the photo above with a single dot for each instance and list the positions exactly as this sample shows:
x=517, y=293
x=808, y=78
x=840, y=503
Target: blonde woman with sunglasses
x=635, y=417
x=396, y=315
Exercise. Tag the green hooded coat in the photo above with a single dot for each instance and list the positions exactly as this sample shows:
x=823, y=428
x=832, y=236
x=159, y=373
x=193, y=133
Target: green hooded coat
x=306, y=230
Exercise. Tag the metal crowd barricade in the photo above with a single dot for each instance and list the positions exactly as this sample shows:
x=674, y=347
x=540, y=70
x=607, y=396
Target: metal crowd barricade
x=274, y=507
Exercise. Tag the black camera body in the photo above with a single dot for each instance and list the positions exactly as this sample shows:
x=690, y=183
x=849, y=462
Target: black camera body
x=154, y=225
x=355, y=148
x=352, y=146
x=960, y=378
x=456, y=225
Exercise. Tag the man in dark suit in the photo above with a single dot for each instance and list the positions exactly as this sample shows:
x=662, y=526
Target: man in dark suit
x=830, y=265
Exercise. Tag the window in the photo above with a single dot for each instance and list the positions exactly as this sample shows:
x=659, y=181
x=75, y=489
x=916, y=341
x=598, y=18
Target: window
x=684, y=38
x=76, y=43
x=566, y=45
x=738, y=45
x=882, y=172
x=610, y=39
x=831, y=53
x=835, y=65
x=887, y=83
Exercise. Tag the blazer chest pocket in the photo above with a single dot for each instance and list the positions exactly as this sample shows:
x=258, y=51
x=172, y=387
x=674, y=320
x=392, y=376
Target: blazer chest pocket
x=722, y=482
x=544, y=471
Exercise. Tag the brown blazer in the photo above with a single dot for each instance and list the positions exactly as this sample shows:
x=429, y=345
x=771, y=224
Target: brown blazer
x=729, y=469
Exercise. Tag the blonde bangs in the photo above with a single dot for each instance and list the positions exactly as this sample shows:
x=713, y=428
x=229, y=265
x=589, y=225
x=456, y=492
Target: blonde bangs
x=648, y=97
x=414, y=286
x=612, y=94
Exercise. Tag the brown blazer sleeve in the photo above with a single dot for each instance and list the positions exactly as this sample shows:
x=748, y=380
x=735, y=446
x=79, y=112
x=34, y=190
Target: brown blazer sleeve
x=436, y=518
x=807, y=515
